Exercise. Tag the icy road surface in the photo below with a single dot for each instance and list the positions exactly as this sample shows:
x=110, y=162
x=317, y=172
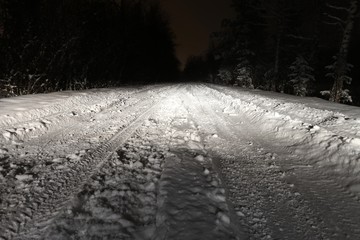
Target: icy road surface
x=180, y=162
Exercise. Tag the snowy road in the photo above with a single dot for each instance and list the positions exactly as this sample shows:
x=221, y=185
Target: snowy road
x=174, y=162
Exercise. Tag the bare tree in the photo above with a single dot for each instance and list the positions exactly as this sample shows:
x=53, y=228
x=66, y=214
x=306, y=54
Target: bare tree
x=345, y=21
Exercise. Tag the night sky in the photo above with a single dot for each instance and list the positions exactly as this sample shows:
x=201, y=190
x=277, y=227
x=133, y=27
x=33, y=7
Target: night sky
x=193, y=20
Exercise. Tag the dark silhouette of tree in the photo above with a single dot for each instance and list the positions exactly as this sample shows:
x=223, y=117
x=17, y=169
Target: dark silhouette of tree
x=342, y=16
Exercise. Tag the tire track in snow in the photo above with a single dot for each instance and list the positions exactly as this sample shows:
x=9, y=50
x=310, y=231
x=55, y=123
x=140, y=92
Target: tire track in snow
x=190, y=201
x=48, y=157
x=248, y=181
x=305, y=205
x=45, y=201
x=206, y=124
x=119, y=202
x=337, y=208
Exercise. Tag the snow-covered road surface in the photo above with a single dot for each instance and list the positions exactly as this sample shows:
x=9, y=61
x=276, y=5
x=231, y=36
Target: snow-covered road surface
x=182, y=162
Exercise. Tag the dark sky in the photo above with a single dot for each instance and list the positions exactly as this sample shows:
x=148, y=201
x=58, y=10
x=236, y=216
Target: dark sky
x=193, y=20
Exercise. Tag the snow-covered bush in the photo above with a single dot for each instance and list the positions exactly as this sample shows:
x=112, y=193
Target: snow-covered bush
x=344, y=98
x=243, y=74
x=7, y=89
x=333, y=68
x=225, y=75
x=301, y=76
x=268, y=79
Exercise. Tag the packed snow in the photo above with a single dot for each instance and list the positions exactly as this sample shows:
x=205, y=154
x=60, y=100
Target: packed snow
x=186, y=161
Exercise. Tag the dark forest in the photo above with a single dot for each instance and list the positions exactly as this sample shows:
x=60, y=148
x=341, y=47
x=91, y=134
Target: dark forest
x=59, y=45
x=305, y=48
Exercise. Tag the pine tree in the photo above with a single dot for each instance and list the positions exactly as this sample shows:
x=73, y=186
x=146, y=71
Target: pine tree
x=231, y=49
x=343, y=95
x=243, y=74
x=226, y=75
x=301, y=76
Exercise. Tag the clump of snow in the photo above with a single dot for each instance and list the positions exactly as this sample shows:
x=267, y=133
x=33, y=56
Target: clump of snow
x=200, y=158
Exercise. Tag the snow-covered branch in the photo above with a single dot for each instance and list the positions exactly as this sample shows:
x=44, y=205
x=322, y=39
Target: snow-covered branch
x=337, y=7
x=337, y=19
x=299, y=37
x=335, y=24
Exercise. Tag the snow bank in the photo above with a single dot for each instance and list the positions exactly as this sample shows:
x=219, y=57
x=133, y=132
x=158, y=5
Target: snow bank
x=25, y=116
x=313, y=129
x=29, y=107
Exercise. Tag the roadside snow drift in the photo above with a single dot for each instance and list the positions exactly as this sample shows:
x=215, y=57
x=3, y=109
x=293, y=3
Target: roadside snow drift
x=325, y=133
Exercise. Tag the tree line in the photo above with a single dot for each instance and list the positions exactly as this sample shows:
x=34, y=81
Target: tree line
x=299, y=47
x=50, y=45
